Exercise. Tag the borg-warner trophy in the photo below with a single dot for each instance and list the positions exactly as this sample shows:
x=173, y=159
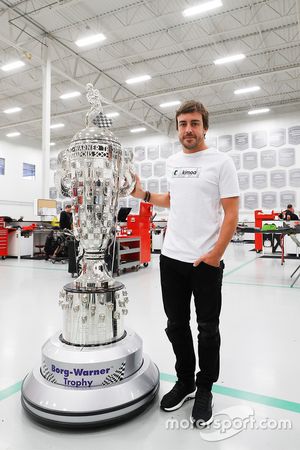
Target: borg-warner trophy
x=94, y=371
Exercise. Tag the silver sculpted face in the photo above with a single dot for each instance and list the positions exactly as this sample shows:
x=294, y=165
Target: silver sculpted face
x=94, y=171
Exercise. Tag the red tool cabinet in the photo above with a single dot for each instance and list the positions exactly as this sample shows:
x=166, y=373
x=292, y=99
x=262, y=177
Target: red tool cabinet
x=134, y=240
x=3, y=239
x=140, y=225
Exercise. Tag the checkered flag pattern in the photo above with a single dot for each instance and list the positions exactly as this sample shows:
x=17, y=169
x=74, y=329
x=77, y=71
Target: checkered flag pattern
x=46, y=374
x=102, y=121
x=118, y=375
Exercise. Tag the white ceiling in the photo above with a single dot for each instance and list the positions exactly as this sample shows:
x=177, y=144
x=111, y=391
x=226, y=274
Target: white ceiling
x=146, y=37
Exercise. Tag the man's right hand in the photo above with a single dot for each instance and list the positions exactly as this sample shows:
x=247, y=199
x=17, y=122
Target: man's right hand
x=138, y=191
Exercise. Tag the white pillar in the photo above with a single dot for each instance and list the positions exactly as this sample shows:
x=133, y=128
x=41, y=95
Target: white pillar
x=46, y=68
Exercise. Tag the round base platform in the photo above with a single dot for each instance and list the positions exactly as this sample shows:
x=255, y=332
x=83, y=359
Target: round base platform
x=58, y=406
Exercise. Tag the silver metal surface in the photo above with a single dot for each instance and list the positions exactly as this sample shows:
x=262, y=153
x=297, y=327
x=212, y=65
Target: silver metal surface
x=91, y=318
x=94, y=171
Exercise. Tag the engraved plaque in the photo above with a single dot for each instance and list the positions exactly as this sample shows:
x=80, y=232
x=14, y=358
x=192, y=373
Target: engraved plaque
x=259, y=139
x=294, y=135
x=241, y=141
x=152, y=185
x=287, y=197
x=140, y=153
x=269, y=200
x=225, y=143
x=166, y=150
x=159, y=168
x=287, y=157
x=153, y=152
x=251, y=200
x=259, y=180
x=268, y=159
x=250, y=160
x=244, y=180
x=294, y=177
x=211, y=141
x=278, y=137
x=278, y=178
x=146, y=170
x=164, y=185
x=237, y=160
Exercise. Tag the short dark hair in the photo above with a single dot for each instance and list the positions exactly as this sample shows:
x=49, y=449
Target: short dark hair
x=191, y=106
x=68, y=206
x=289, y=206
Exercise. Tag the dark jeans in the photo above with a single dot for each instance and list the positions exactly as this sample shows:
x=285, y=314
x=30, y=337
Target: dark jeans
x=179, y=280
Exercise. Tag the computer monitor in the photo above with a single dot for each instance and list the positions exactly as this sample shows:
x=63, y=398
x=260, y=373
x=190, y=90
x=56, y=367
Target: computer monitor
x=122, y=214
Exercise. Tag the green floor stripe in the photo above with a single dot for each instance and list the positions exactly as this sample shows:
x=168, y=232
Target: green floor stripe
x=239, y=267
x=217, y=389
x=245, y=395
x=168, y=377
x=257, y=398
x=262, y=285
x=11, y=390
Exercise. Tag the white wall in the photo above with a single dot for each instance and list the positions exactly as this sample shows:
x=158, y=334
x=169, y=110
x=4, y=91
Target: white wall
x=277, y=162
x=17, y=194
x=150, y=151
x=272, y=163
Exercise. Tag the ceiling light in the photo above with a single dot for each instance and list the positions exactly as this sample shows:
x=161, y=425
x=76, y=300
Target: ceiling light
x=89, y=40
x=246, y=90
x=167, y=104
x=229, y=59
x=14, y=134
x=137, y=130
x=258, y=111
x=70, y=95
x=13, y=65
x=57, y=125
x=112, y=114
x=12, y=110
x=138, y=79
x=52, y=143
x=203, y=7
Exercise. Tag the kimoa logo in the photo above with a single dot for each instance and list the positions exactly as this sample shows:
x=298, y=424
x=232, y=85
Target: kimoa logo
x=188, y=172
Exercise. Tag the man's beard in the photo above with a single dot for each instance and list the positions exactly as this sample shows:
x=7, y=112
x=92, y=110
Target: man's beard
x=191, y=145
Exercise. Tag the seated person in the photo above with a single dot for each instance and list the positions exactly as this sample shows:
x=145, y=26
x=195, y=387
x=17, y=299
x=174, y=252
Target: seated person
x=65, y=220
x=288, y=214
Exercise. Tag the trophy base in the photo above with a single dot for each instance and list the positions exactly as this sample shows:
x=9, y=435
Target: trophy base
x=77, y=404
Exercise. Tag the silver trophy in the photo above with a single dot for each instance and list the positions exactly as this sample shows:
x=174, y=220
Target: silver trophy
x=94, y=371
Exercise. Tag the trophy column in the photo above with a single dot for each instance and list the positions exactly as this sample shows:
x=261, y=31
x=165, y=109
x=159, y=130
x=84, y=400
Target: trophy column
x=94, y=370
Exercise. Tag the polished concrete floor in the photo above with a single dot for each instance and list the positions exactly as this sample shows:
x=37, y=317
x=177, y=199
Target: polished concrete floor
x=260, y=368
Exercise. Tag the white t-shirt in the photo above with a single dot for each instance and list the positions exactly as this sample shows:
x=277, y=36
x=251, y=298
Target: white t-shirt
x=197, y=182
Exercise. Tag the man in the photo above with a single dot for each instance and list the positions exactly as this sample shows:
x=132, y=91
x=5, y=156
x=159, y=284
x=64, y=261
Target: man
x=65, y=220
x=289, y=213
x=202, y=182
